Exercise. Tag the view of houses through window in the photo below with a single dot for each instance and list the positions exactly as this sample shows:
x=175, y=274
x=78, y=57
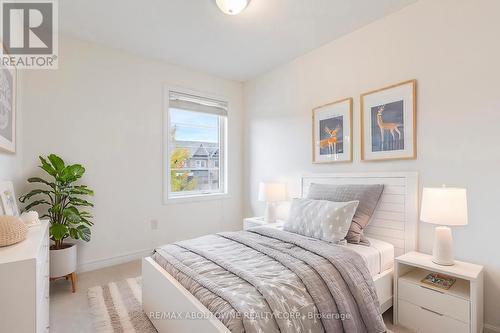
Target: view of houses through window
x=196, y=148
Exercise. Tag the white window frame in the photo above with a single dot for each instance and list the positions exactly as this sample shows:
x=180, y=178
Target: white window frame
x=193, y=196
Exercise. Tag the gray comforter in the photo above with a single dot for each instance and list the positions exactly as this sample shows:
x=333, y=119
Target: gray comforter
x=269, y=280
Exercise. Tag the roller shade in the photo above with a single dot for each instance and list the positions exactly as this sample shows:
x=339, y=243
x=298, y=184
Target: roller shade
x=189, y=102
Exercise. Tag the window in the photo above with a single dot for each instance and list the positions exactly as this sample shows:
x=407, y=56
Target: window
x=196, y=135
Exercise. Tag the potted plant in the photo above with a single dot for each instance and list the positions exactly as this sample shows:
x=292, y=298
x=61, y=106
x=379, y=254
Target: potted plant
x=62, y=198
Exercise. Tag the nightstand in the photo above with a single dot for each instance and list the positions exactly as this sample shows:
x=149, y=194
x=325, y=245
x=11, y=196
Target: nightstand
x=428, y=309
x=252, y=222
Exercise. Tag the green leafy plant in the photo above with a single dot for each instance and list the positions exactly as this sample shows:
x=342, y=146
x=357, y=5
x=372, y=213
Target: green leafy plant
x=63, y=198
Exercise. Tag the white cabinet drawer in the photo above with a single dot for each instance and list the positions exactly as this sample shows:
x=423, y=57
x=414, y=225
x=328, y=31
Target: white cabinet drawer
x=42, y=266
x=24, y=303
x=42, y=275
x=42, y=312
x=43, y=251
x=422, y=320
x=42, y=308
x=451, y=306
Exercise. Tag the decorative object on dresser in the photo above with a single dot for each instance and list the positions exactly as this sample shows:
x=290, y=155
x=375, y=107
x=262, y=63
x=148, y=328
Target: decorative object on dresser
x=446, y=206
x=12, y=230
x=425, y=308
x=8, y=87
x=332, y=132
x=30, y=218
x=8, y=199
x=388, y=123
x=24, y=283
x=67, y=218
x=258, y=221
x=272, y=193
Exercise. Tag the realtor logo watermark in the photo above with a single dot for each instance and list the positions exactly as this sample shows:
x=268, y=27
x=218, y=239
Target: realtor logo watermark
x=29, y=34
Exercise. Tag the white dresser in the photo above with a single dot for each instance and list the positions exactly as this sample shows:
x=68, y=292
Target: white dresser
x=24, y=283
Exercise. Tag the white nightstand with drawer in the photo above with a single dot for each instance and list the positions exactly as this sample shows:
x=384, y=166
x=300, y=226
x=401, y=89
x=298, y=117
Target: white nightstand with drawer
x=252, y=222
x=428, y=309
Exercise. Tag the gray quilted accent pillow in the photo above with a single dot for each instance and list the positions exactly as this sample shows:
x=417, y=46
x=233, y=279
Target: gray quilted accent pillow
x=367, y=195
x=321, y=219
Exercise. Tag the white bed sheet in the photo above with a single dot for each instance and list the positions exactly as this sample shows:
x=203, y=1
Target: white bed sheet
x=379, y=256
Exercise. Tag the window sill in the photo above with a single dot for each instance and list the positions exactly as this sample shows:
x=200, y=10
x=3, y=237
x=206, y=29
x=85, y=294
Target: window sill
x=195, y=198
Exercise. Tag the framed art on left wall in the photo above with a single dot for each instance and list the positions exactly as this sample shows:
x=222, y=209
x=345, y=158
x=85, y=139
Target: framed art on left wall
x=8, y=86
x=332, y=132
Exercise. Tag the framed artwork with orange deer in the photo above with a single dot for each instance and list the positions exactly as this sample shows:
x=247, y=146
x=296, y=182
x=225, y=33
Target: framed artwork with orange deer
x=332, y=132
x=389, y=123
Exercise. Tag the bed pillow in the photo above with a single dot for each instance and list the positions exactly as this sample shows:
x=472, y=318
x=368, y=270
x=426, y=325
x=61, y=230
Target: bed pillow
x=321, y=219
x=367, y=195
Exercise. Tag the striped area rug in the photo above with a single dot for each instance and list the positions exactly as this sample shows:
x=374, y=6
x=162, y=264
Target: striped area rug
x=116, y=308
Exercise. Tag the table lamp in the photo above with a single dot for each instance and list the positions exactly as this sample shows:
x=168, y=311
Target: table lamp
x=445, y=206
x=271, y=193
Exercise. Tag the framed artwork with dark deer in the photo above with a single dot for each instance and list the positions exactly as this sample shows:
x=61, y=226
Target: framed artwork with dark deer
x=389, y=123
x=332, y=132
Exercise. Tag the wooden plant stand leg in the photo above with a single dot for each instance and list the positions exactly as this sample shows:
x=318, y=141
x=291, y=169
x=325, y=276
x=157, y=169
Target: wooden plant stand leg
x=72, y=276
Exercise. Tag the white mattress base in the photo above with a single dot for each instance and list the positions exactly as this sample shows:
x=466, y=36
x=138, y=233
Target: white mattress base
x=379, y=256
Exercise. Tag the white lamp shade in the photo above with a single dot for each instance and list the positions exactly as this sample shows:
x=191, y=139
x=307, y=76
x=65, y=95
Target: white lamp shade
x=444, y=205
x=272, y=192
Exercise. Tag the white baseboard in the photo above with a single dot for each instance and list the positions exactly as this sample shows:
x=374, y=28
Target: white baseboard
x=491, y=329
x=107, y=262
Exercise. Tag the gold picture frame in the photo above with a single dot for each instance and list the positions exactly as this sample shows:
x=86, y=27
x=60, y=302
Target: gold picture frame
x=332, y=132
x=393, y=135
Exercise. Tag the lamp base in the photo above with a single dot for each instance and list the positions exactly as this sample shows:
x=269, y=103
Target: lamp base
x=442, y=252
x=270, y=213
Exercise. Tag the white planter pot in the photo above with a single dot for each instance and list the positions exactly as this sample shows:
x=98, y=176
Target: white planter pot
x=63, y=262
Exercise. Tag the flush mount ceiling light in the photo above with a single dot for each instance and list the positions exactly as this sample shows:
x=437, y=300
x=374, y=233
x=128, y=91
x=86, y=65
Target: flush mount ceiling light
x=232, y=7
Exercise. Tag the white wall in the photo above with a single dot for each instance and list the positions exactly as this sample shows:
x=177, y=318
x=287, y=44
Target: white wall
x=451, y=47
x=103, y=108
x=10, y=166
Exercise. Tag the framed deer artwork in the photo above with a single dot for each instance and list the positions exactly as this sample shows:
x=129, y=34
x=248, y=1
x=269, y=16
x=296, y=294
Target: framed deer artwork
x=388, y=123
x=332, y=132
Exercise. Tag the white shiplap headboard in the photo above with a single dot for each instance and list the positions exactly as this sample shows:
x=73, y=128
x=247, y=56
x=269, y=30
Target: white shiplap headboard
x=395, y=218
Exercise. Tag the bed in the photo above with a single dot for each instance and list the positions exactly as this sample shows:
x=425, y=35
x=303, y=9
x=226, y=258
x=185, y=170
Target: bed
x=391, y=232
